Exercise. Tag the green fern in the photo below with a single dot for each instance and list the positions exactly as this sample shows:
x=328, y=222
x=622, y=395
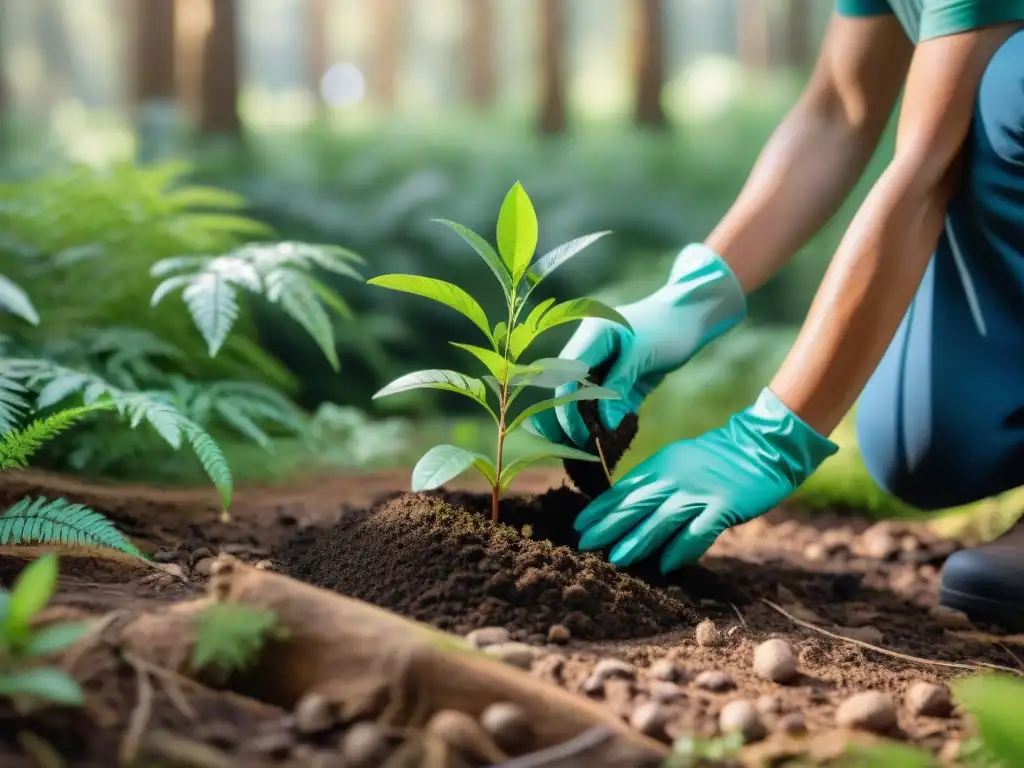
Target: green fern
x=40, y=520
x=282, y=272
x=229, y=637
x=18, y=446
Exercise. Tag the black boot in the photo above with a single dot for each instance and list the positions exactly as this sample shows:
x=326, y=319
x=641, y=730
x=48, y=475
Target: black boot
x=987, y=582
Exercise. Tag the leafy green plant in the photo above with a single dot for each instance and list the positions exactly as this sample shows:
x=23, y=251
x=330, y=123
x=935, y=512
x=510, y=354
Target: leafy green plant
x=229, y=637
x=518, y=274
x=23, y=676
x=691, y=752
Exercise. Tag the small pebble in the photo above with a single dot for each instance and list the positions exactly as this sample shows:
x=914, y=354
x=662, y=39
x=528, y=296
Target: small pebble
x=715, y=681
x=950, y=751
x=314, y=714
x=365, y=745
x=775, y=660
x=506, y=723
x=649, y=719
x=559, y=634
x=203, y=567
x=465, y=735
x=665, y=692
x=485, y=636
x=867, y=711
x=606, y=669
x=949, y=618
x=707, y=634
x=878, y=542
x=794, y=723
x=593, y=685
x=742, y=716
x=663, y=669
x=769, y=704
x=928, y=700
x=514, y=654
x=200, y=554
x=166, y=556
x=815, y=553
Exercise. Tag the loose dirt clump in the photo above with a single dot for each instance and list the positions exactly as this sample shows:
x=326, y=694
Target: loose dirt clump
x=436, y=559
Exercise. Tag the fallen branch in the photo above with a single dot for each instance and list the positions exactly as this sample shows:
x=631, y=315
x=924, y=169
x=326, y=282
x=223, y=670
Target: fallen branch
x=885, y=651
x=372, y=664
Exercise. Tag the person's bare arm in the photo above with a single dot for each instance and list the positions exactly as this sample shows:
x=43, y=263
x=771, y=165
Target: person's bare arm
x=882, y=258
x=819, y=151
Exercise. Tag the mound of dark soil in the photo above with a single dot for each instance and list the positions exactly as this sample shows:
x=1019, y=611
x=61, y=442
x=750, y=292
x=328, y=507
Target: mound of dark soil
x=437, y=559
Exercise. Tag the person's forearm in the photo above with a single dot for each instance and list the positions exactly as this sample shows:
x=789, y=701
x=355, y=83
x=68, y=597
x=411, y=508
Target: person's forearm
x=802, y=176
x=864, y=296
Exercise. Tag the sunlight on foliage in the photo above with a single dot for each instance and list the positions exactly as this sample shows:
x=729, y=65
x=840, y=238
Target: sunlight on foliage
x=229, y=637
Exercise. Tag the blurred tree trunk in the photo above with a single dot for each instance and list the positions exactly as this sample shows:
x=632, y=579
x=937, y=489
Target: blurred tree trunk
x=154, y=51
x=799, y=44
x=480, y=47
x=553, y=105
x=5, y=95
x=218, y=112
x=650, y=63
x=389, y=34
x=317, y=61
x=753, y=34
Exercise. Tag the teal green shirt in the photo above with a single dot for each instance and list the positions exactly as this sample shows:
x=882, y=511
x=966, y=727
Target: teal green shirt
x=925, y=19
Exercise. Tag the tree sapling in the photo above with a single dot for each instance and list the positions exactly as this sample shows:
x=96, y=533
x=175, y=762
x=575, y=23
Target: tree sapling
x=518, y=274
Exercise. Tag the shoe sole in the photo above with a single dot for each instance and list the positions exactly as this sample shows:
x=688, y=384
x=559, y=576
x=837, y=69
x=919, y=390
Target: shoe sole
x=1009, y=616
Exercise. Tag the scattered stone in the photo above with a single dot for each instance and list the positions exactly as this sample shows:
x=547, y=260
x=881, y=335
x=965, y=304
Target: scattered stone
x=166, y=556
x=793, y=724
x=926, y=699
x=485, y=636
x=203, y=567
x=741, y=715
x=665, y=692
x=506, y=723
x=275, y=744
x=867, y=711
x=314, y=714
x=949, y=753
x=867, y=634
x=707, y=634
x=649, y=719
x=264, y=565
x=909, y=543
x=618, y=696
x=514, y=654
x=559, y=634
x=165, y=574
x=606, y=669
x=775, y=660
x=465, y=735
x=770, y=704
x=733, y=633
x=878, y=542
x=715, y=681
x=200, y=554
x=664, y=669
x=950, y=618
x=816, y=552
x=593, y=685
x=365, y=745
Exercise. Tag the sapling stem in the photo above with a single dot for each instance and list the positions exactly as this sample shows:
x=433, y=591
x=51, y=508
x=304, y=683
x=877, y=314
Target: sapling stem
x=604, y=463
x=502, y=411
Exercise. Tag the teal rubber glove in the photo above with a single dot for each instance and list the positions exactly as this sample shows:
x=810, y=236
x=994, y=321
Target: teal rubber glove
x=702, y=300
x=688, y=493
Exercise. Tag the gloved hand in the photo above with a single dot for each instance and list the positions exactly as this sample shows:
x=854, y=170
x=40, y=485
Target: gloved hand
x=701, y=301
x=688, y=493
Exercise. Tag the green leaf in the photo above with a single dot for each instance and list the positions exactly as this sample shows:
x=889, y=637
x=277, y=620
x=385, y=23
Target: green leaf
x=14, y=300
x=213, y=304
x=496, y=364
x=230, y=637
x=550, y=372
x=486, y=468
x=440, y=291
x=524, y=334
x=578, y=309
x=55, y=637
x=545, y=451
x=517, y=232
x=556, y=257
x=500, y=334
x=32, y=590
x=889, y=753
x=298, y=299
x=440, y=464
x=52, y=685
x=537, y=445
x=583, y=393
x=486, y=252
x=994, y=702
x=450, y=381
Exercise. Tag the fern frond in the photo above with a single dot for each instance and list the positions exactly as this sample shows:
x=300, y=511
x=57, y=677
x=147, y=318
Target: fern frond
x=13, y=403
x=14, y=300
x=229, y=637
x=41, y=520
x=17, y=447
x=298, y=299
x=212, y=460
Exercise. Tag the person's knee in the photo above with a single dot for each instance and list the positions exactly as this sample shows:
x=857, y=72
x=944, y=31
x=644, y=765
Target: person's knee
x=1000, y=103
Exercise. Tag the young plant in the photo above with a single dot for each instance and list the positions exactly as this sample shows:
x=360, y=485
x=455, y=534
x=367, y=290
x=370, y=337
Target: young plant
x=230, y=636
x=518, y=274
x=22, y=677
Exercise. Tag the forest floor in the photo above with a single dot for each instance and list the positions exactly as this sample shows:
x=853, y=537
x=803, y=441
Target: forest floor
x=848, y=596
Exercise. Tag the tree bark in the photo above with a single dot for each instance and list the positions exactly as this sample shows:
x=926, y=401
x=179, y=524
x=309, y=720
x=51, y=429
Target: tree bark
x=753, y=35
x=480, y=47
x=650, y=63
x=554, y=96
x=154, y=51
x=389, y=35
x=218, y=114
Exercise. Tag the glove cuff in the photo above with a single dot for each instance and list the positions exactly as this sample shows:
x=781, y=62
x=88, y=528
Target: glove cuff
x=799, y=449
x=698, y=270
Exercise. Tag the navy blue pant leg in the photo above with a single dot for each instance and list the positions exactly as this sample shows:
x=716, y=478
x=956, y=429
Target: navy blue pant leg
x=941, y=422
